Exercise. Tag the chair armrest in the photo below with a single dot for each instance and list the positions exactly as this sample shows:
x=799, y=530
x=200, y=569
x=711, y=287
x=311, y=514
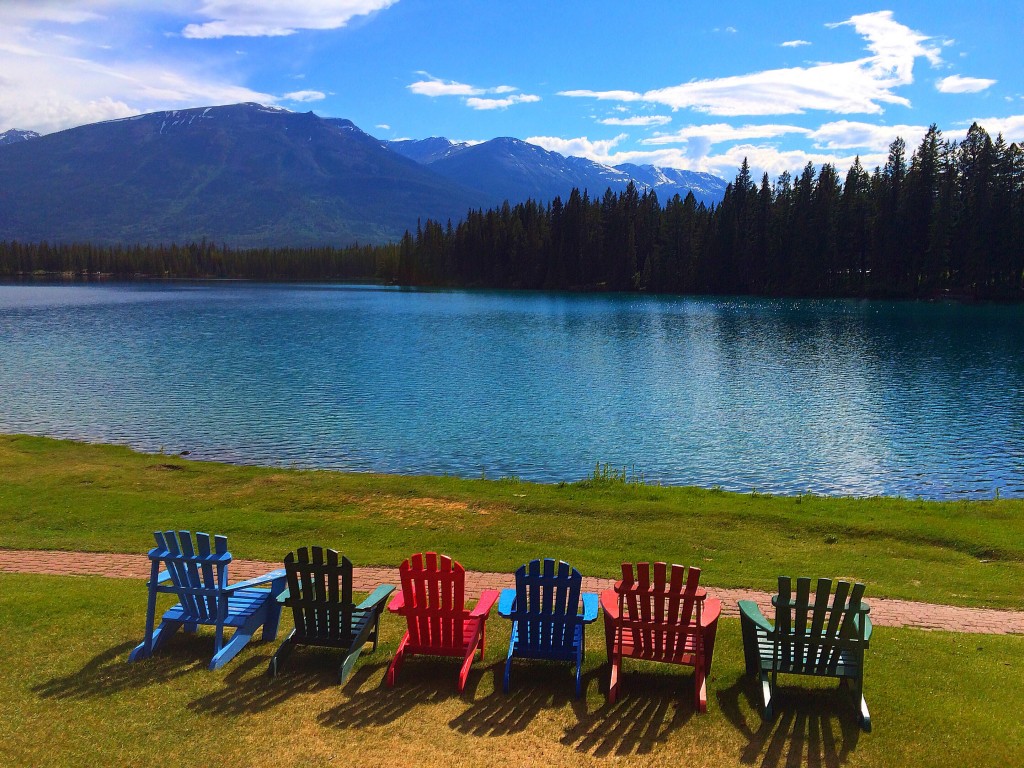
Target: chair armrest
x=590, y=601
x=506, y=602
x=397, y=604
x=283, y=596
x=750, y=612
x=375, y=598
x=483, y=606
x=266, y=578
x=610, y=603
x=710, y=612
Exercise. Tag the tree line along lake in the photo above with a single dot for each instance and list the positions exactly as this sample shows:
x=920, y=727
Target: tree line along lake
x=776, y=395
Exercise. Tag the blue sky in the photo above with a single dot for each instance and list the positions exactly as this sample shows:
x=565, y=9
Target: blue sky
x=688, y=85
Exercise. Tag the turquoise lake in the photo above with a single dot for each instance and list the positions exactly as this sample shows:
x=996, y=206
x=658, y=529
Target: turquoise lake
x=783, y=396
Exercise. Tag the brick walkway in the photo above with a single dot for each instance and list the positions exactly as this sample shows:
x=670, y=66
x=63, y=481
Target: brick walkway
x=885, y=612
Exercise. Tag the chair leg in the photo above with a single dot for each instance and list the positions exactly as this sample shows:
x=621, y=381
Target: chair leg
x=272, y=621
x=230, y=649
x=154, y=640
x=351, y=657
x=700, y=688
x=508, y=672
x=766, y=695
x=579, y=669
x=376, y=631
x=613, y=682
x=609, y=636
x=863, y=716
x=467, y=662
x=751, y=655
x=283, y=651
x=396, y=661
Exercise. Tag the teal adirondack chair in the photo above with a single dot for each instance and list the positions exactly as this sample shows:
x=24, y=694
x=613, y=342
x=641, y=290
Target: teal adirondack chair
x=320, y=595
x=199, y=578
x=826, y=638
x=545, y=611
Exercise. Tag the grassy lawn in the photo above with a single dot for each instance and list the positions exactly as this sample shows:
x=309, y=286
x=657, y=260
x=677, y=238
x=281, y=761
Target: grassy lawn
x=67, y=495
x=70, y=699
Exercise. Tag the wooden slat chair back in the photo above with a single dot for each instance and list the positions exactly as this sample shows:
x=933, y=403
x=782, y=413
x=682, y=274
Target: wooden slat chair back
x=661, y=614
x=433, y=601
x=197, y=574
x=544, y=608
x=320, y=596
x=434, y=588
x=323, y=610
x=823, y=635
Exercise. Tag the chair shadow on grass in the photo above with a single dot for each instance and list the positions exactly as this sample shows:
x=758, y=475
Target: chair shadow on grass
x=816, y=726
x=544, y=687
x=109, y=673
x=247, y=688
x=650, y=708
x=421, y=682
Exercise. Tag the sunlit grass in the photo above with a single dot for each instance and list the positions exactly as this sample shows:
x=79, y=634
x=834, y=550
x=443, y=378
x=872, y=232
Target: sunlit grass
x=74, y=496
x=70, y=699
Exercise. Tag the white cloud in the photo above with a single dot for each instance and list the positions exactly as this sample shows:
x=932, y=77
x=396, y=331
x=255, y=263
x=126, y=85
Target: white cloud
x=762, y=159
x=49, y=82
x=958, y=84
x=719, y=132
x=272, y=18
x=604, y=95
x=598, y=150
x=475, y=102
x=304, y=96
x=861, y=86
x=794, y=43
x=435, y=86
x=844, y=134
x=383, y=126
x=642, y=120
x=1011, y=127
x=46, y=10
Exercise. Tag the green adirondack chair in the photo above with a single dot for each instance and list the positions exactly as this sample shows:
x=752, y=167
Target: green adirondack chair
x=823, y=638
x=320, y=595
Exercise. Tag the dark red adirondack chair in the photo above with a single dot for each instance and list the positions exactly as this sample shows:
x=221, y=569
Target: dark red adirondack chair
x=432, y=601
x=667, y=618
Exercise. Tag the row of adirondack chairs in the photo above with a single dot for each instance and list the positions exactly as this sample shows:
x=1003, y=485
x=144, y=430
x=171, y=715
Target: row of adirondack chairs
x=656, y=612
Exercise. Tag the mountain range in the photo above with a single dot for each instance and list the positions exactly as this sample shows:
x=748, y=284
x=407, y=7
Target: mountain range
x=251, y=176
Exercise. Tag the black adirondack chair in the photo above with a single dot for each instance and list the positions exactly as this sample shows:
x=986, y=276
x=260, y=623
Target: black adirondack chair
x=826, y=638
x=320, y=595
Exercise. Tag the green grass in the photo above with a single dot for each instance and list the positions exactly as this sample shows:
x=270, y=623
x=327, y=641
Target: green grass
x=74, y=496
x=70, y=699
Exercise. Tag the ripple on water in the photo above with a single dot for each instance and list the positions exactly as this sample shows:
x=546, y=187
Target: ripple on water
x=831, y=397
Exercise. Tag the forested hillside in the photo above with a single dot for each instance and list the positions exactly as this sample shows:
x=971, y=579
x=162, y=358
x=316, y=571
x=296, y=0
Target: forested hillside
x=948, y=220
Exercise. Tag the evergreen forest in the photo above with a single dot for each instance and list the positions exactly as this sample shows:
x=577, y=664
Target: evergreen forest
x=946, y=221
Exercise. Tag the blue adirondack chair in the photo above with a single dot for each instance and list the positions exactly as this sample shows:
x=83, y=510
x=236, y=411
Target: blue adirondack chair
x=545, y=611
x=199, y=578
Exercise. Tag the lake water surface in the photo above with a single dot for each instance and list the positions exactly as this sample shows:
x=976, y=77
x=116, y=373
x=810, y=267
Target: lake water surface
x=832, y=397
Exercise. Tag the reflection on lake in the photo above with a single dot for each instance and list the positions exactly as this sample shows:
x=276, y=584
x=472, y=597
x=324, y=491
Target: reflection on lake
x=833, y=397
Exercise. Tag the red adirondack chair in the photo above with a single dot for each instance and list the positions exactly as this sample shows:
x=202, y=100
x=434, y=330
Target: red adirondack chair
x=433, y=603
x=667, y=619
